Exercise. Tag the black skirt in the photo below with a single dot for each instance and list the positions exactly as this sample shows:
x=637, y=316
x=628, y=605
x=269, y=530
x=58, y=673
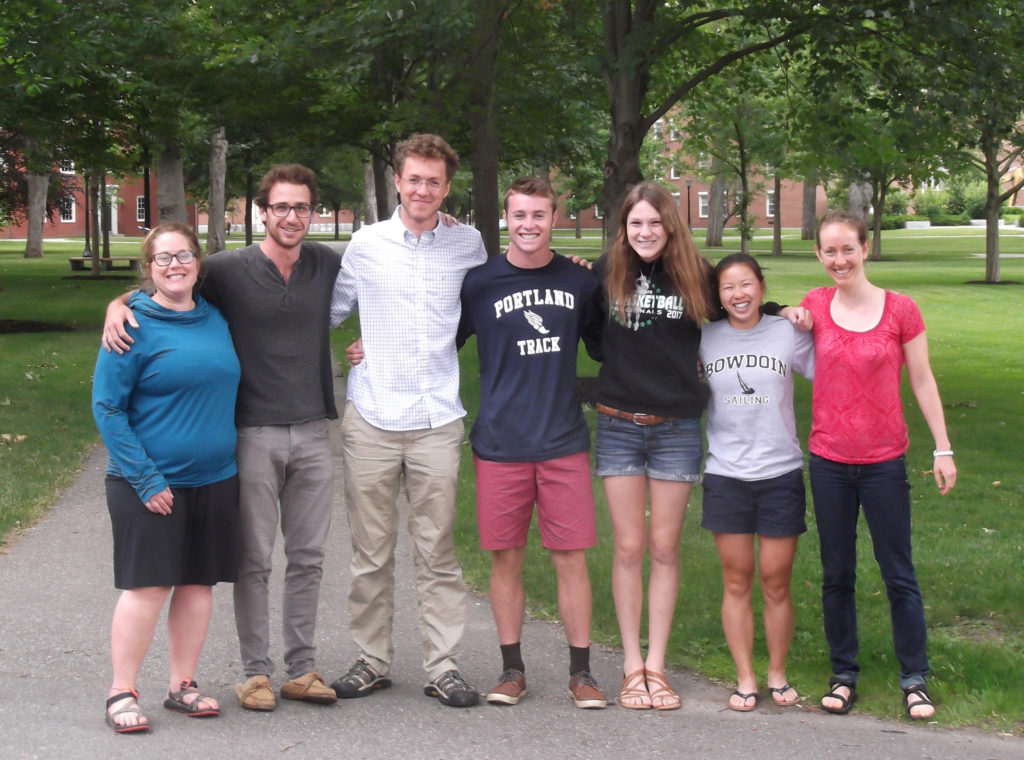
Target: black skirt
x=198, y=543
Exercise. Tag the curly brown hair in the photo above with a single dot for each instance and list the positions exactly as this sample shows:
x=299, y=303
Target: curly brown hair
x=426, y=146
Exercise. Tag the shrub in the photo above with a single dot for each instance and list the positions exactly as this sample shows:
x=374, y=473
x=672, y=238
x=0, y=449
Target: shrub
x=930, y=202
x=896, y=202
x=949, y=220
x=896, y=221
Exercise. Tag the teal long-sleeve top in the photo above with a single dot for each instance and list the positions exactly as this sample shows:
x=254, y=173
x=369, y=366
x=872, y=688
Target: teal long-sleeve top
x=166, y=409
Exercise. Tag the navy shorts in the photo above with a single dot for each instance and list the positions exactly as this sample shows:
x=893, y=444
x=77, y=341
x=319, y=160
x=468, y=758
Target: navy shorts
x=670, y=450
x=772, y=507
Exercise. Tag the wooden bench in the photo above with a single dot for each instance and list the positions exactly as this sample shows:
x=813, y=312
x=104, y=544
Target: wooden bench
x=80, y=263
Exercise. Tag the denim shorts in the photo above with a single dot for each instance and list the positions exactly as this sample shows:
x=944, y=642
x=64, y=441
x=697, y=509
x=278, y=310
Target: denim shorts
x=671, y=450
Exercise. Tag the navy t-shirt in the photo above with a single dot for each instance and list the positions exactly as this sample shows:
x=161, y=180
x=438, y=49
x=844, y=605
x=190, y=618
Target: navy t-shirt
x=528, y=324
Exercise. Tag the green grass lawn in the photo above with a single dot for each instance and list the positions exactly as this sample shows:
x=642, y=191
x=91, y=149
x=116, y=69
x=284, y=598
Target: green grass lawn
x=967, y=545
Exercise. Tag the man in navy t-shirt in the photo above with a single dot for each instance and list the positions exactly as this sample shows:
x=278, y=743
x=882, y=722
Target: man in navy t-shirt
x=529, y=309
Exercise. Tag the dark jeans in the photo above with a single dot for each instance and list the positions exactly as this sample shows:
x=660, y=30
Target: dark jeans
x=883, y=492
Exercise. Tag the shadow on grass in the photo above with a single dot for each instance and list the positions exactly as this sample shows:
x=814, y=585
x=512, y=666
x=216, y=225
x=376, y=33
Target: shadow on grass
x=10, y=326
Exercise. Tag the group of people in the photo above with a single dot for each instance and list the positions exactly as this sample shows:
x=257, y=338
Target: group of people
x=197, y=494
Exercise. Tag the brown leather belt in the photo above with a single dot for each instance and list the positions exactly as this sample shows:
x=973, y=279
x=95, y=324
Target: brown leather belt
x=634, y=417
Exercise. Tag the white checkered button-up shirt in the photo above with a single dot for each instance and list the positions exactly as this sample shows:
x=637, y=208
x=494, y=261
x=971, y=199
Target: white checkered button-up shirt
x=407, y=292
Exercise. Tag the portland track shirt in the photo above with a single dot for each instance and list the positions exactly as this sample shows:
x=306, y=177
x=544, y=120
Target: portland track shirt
x=528, y=324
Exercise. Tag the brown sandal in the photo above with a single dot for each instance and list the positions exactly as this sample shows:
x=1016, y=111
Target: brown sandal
x=635, y=687
x=669, y=698
x=194, y=709
x=132, y=707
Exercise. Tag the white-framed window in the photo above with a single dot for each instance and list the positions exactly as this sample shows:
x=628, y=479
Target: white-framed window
x=597, y=211
x=67, y=166
x=676, y=198
x=140, y=208
x=675, y=135
x=769, y=204
x=572, y=215
x=322, y=210
x=674, y=173
x=67, y=209
x=702, y=205
x=659, y=128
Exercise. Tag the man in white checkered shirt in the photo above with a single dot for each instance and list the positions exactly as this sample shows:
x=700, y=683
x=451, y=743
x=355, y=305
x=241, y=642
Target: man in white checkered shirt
x=403, y=417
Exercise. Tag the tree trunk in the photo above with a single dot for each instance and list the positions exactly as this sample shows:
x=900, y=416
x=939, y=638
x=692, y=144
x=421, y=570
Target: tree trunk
x=746, y=227
x=369, y=194
x=147, y=196
x=627, y=76
x=481, y=73
x=104, y=215
x=38, y=186
x=249, y=193
x=809, y=216
x=880, y=186
x=384, y=191
x=579, y=225
x=993, y=186
x=716, y=205
x=170, y=185
x=777, y=221
x=94, y=218
x=858, y=199
x=215, y=238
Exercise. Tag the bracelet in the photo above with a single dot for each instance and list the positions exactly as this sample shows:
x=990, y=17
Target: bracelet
x=940, y=453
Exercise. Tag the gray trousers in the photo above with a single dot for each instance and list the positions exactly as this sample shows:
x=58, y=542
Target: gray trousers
x=286, y=474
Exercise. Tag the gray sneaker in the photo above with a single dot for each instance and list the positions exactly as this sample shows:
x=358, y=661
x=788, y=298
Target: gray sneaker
x=451, y=690
x=360, y=681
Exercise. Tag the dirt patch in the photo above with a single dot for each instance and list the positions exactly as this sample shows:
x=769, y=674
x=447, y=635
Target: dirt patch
x=974, y=629
x=8, y=326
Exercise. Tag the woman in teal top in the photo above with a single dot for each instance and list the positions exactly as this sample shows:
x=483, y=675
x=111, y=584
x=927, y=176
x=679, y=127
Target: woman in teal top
x=165, y=411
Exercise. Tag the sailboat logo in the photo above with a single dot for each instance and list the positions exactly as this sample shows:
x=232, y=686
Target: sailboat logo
x=746, y=388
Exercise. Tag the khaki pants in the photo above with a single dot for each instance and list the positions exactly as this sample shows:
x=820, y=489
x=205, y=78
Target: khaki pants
x=375, y=462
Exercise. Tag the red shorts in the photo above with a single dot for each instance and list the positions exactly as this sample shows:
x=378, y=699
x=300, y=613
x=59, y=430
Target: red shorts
x=561, y=489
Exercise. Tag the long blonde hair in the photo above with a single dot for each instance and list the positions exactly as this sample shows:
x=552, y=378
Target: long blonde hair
x=683, y=264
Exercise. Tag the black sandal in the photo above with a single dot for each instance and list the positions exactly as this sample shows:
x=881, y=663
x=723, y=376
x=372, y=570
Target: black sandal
x=131, y=708
x=176, y=701
x=920, y=691
x=837, y=683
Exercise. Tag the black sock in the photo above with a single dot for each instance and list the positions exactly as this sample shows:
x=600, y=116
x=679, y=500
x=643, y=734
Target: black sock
x=512, y=657
x=579, y=659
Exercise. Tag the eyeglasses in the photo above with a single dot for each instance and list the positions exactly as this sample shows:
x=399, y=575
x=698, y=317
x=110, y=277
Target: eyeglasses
x=302, y=210
x=432, y=185
x=183, y=257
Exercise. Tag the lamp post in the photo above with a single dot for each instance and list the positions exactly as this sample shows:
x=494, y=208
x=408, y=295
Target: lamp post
x=689, y=184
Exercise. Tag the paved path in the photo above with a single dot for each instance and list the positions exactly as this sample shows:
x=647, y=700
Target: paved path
x=56, y=599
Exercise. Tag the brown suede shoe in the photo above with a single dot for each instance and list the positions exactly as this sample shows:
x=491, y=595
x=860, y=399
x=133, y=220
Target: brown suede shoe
x=585, y=693
x=309, y=688
x=256, y=694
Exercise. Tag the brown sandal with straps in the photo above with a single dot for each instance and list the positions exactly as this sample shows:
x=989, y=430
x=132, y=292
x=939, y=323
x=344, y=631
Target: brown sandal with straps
x=634, y=687
x=193, y=709
x=659, y=688
x=131, y=708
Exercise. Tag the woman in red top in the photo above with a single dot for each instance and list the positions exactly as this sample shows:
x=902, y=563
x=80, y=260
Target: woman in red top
x=863, y=335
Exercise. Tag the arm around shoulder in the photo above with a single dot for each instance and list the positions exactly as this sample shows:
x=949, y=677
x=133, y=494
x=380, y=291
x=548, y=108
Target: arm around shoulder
x=115, y=336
